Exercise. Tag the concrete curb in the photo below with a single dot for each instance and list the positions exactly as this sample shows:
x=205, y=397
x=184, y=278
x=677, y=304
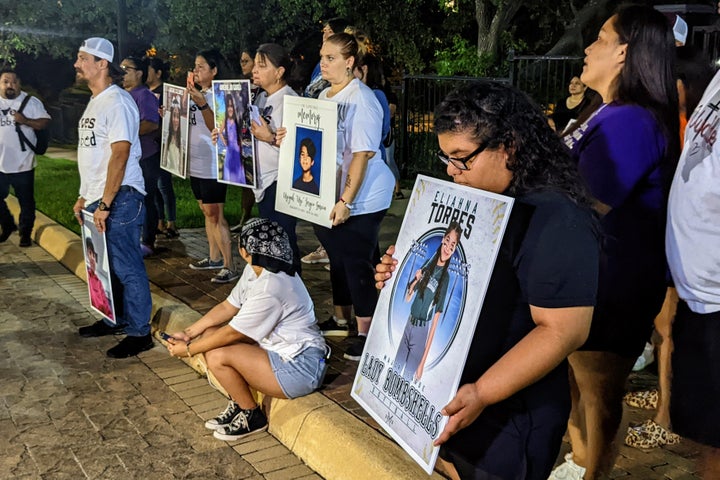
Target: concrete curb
x=331, y=440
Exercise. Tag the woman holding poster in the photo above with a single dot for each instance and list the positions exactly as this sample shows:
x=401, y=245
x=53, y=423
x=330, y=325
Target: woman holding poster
x=209, y=193
x=270, y=73
x=509, y=414
x=365, y=185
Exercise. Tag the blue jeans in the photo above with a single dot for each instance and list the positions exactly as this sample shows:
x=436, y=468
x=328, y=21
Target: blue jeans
x=151, y=171
x=266, y=207
x=24, y=185
x=165, y=197
x=131, y=288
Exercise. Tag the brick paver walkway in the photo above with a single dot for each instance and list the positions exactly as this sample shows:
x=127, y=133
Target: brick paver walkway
x=69, y=412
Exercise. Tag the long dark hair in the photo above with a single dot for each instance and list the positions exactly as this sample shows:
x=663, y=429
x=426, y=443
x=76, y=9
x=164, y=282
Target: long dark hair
x=503, y=115
x=374, y=75
x=647, y=78
x=427, y=271
x=174, y=134
x=235, y=117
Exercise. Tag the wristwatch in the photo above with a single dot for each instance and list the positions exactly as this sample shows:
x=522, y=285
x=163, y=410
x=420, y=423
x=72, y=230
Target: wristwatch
x=103, y=207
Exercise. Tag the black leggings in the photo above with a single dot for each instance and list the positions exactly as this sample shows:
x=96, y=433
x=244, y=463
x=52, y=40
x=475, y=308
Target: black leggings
x=352, y=248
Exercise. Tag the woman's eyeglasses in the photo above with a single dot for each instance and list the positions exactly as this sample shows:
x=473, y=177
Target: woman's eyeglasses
x=127, y=67
x=462, y=163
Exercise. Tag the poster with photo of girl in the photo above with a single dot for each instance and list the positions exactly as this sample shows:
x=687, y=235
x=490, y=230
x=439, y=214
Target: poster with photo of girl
x=98, y=268
x=234, y=149
x=306, y=184
x=174, y=139
x=426, y=314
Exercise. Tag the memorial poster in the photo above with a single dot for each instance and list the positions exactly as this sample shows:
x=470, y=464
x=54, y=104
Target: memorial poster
x=98, y=268
x=426, y=314
x=174, y=138
x=234, y=148
x=306, y=184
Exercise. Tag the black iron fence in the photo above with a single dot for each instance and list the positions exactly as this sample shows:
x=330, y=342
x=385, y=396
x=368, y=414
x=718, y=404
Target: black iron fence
x=544, y=78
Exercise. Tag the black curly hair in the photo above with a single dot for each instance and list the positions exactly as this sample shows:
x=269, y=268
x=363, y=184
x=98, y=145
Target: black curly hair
x=503, y=115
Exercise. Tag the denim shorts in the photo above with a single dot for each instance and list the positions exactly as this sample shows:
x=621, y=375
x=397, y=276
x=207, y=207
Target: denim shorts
x=301, y=375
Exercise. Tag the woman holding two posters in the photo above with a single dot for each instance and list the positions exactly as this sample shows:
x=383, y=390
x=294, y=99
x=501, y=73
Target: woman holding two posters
x=365, y=186
x=270, y=73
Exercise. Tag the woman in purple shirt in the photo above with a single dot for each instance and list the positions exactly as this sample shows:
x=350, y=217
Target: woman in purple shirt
x=626, y=151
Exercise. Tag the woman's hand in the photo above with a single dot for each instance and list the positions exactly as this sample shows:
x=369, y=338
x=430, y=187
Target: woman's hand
x=340, y=213
x=195, y=94
x=384, y=270
x=279, y=135
x=262, y=131
x=191, y=332
x=463, y=409
x=177, y=348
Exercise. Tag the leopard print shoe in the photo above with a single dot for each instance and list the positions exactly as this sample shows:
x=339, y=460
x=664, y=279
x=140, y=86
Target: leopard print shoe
x=647, y=399
x=650, y=435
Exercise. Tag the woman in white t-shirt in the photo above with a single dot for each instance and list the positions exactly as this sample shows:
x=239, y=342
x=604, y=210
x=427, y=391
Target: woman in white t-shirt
x=209, y=193
x=271, y=344
x=270, y=72
x=364, y=191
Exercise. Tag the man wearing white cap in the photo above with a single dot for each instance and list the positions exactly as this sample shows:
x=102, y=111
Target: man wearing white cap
x=111, y=187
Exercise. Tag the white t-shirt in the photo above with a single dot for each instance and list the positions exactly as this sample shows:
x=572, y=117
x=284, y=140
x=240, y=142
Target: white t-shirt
x=271, y=108
x=203, y=163
x=12, y=158
x=360, y=119
x=276, y=311
x=111, y=116
x=693, y=228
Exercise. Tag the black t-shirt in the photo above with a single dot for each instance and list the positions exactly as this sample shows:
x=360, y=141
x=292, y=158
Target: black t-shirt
x=548, y=258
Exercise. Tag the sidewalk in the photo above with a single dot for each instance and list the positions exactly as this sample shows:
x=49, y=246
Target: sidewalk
x=328, y=430
x=68, y=411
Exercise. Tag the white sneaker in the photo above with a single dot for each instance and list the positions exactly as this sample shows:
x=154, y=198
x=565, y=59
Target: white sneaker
x=568, y=470
x=318, y=256
x=646, y=358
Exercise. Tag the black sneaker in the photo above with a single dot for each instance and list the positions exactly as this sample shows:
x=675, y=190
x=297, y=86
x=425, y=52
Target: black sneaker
x=207, y=264
x=225, y=417
x=131, y=346
x=7, y=230
x=100, y=329
x=225, y=276
x=355, y=349
x=25, y=240
x=245, y=423
x=334, y=328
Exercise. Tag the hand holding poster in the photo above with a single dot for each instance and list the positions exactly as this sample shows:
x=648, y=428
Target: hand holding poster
x=174, y=143
x=307, y=171
x=235, y=149
x=424, y=322
x=98, y=268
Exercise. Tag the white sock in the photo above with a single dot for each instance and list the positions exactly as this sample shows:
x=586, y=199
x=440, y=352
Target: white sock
x=340, y=321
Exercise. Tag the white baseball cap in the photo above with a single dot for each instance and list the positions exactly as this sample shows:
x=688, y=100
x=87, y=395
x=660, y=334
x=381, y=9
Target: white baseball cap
x=680, y=29
x=99, y=47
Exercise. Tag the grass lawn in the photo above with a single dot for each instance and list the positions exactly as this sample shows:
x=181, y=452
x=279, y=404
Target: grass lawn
x=56, y=189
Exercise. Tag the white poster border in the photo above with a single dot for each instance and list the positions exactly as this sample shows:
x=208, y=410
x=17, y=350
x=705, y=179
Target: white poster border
x=102, y=264
x=315, y=120
x=406, y=407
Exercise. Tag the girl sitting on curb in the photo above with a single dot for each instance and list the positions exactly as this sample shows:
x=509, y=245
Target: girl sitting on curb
x=271, y=343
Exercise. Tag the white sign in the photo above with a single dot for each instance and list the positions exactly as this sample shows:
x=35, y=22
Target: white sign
x=306, y=184
x=426, y=314
x=98, y=268
x=174, y=142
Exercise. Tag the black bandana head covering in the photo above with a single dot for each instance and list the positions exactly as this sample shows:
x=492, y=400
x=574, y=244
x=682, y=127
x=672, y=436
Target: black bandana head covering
x=268, y=245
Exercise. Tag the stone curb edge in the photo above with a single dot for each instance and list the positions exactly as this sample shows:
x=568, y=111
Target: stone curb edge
x=329, y=439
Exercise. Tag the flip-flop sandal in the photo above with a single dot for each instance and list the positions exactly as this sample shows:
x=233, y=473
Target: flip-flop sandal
x=647, y=399
x=650, y=435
